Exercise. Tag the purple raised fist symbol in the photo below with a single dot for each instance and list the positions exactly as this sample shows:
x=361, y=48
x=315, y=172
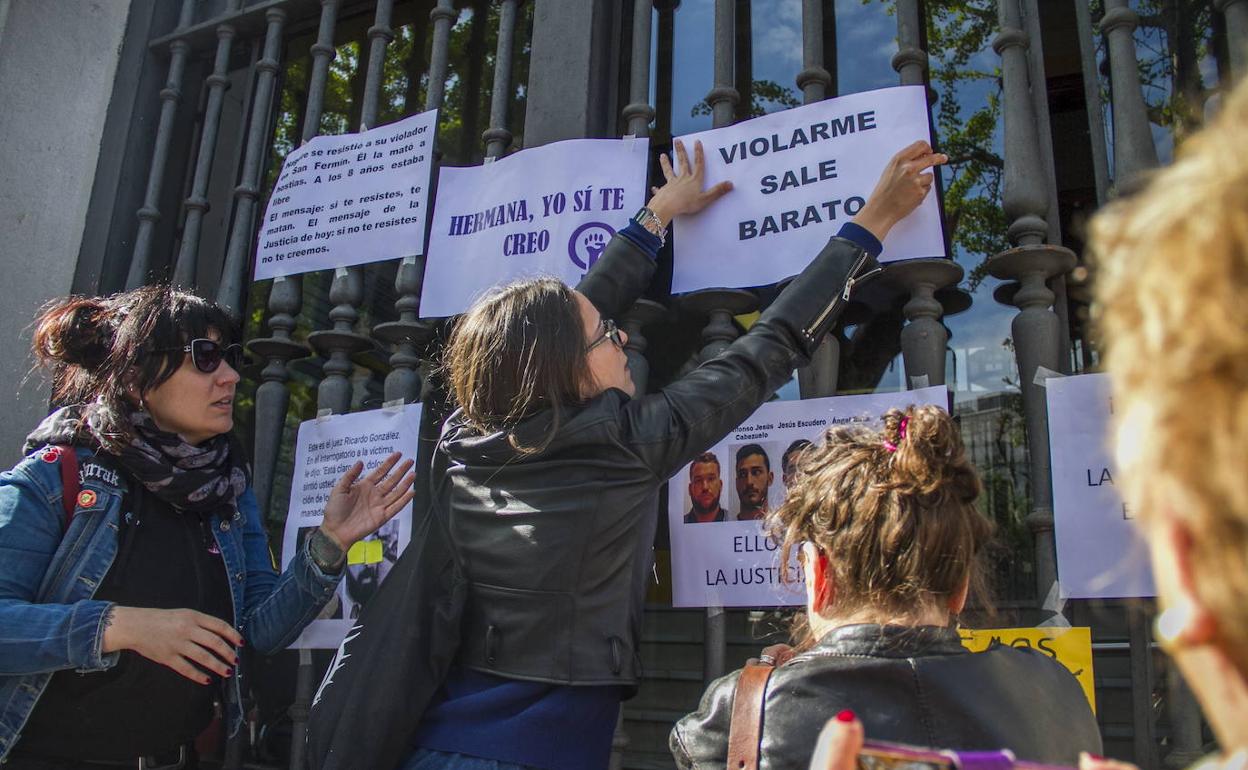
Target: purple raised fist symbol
x=588, y=242
x=594, y=244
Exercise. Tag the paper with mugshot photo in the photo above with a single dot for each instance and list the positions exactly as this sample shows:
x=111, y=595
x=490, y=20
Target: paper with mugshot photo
x=324, y=449
x=721, y=557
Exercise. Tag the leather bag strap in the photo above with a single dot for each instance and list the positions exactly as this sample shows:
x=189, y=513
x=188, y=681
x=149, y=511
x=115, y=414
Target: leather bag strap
x=745, y=732
x=69, y=482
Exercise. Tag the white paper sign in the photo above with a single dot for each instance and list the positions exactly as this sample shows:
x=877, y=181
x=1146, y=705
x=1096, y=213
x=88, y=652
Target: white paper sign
x=1100, y=553
x=797, y=176
x=547, y=210
x=728, y=561
x=324, y=450
x=349, y=200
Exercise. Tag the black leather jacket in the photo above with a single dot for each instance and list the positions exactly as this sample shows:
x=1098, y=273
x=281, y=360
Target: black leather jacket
x=557, y=545
x=907, y=685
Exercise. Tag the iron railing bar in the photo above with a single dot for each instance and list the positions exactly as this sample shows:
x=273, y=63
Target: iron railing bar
x=380, y=35
x=247, y=193
x=723, y=98
x=196, y=204
x=171, y=95
x=638, y=113
x=248, y=21
x=498, y=137
x=408, y=332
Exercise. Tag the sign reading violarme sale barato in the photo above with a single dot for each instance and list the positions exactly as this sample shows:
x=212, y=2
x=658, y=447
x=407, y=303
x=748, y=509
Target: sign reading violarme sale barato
x=547, y=210
x=798, y=175
x=349, y=200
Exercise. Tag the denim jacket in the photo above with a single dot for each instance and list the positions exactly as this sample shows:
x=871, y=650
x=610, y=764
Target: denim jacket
x=48, y=618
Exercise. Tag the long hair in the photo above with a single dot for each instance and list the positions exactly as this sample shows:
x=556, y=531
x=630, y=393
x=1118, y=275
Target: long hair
x=893, y=510
x=518, y=351
x=100, y=349
x=1171, y=275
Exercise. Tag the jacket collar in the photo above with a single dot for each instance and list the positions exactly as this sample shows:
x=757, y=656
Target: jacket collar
x=889, y=641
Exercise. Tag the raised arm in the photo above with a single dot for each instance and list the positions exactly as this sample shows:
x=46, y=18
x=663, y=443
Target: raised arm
x=669, y=428
x=624, y=271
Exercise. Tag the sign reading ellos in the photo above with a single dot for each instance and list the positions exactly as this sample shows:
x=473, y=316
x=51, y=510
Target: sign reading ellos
x=797, y=176
x=721, y=556
x=547, y=210
x=349, y=200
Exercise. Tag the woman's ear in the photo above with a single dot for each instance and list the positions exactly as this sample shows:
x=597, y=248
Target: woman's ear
x=820, y=582
x=133, y=394
x=957, y=599
x=1185, y=622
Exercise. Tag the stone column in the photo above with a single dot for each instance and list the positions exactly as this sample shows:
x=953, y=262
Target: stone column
x=1236, y=13
x=1036, y=329
x=1134, y=151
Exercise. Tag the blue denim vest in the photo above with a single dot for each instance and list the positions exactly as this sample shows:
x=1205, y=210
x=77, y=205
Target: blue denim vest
x=48, y=618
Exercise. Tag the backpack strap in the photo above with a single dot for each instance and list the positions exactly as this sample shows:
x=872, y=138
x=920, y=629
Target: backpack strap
x=69, y=481
x=745, y=731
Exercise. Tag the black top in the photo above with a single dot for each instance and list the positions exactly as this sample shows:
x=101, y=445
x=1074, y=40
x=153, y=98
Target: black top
x=557, y=543
x=166, y=559
x=914, y=685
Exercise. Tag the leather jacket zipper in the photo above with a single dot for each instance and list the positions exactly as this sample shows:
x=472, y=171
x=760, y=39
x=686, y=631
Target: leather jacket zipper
x=853, y=280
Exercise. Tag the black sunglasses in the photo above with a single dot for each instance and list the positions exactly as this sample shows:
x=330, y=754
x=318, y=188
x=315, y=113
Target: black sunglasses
x=609, y=332
x=208, y=354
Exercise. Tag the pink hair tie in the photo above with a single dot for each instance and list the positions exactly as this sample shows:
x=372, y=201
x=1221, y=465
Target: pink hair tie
x=901, y=434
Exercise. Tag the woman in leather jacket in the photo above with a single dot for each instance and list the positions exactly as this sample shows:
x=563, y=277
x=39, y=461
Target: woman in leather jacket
x=123, y=608
x=551, y=465
x=886, y=529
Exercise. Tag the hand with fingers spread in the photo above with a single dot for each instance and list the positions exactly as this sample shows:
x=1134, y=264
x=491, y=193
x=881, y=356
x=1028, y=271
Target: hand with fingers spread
x=683, y=193
x=186, y=641
x=358, y=506
x=902, y=186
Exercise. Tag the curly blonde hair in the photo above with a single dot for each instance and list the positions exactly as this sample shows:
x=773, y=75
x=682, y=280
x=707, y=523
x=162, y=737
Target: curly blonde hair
x=1172, y=308
x=893, y=510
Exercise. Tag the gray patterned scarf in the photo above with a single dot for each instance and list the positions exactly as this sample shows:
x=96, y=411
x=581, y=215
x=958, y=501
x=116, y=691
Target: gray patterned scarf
x=200, y=479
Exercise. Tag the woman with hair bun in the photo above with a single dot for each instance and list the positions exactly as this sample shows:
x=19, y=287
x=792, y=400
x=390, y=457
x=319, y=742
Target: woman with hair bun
x=885, y=526
x=133, y=563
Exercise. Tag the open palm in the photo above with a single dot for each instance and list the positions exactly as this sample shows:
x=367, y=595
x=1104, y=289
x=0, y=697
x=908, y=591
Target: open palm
x=358, y=505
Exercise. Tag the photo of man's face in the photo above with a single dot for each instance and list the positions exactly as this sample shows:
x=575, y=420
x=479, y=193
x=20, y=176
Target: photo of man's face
x=705, y=486
x=754, y=478
x=363, y=580
x=788, y=463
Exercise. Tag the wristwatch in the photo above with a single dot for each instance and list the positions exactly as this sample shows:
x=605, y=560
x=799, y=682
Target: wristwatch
x=325, y=553
x=651, y=224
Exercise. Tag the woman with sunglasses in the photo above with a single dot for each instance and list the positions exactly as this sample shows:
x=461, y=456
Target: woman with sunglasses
x=128, y=591
x=553, y=463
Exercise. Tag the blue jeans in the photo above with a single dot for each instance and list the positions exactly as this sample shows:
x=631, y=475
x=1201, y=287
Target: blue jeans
x=427, y=759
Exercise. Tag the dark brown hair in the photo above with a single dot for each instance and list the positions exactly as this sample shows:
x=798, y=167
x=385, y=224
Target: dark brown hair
x=101, y=347
x=706, y=458
x=900, y=528
x=516, y=352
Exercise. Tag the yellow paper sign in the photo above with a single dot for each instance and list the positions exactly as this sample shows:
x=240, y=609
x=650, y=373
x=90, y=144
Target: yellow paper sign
x=1072, y=647
x=365, y=552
